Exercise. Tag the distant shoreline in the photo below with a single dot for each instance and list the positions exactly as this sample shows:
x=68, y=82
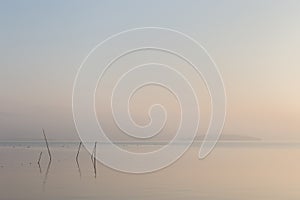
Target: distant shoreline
x=200, y=138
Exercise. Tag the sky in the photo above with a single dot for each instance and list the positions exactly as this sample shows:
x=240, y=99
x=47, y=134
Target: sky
x=255, y=44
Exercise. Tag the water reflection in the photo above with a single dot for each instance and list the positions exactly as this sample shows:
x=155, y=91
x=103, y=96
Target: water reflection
x=94, y=160
x=40, y=168
x=77, y=156
x=230, y=172
x=46, y=174
x=79, y=170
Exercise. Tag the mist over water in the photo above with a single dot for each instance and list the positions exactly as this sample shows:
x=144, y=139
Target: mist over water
x=142, y=75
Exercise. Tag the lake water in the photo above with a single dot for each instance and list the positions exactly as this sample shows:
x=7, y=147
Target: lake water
x=233, y=171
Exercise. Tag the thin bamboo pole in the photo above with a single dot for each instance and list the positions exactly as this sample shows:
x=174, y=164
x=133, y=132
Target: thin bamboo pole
x=95, y=167
x=78, y=151
x=40, y=158
x=50, y=157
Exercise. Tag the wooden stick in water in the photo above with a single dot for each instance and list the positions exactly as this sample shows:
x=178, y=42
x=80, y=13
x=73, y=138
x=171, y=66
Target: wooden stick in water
x=77, y=162
x=40, y=158
x=50, y=157
x=78, y=151
x=95, y=167
x=92, y=157
x=39, y=162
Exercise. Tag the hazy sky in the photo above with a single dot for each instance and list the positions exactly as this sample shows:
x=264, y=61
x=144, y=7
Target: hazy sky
x=256, y=45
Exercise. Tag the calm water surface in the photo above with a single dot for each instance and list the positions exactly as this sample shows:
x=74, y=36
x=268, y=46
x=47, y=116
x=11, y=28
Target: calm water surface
x=233, y=171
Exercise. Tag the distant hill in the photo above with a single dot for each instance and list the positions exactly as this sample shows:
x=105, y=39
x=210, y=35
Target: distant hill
x=232, y=137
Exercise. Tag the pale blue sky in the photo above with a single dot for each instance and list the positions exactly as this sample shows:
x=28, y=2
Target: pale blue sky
x=256, y=45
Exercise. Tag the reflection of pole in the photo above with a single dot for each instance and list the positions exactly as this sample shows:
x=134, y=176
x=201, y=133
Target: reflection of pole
x=77, y=159
x=78, y=166
x=40, y=168
x=50, y=157
x=46, y=175
x=94, y=153
x=92, y=156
